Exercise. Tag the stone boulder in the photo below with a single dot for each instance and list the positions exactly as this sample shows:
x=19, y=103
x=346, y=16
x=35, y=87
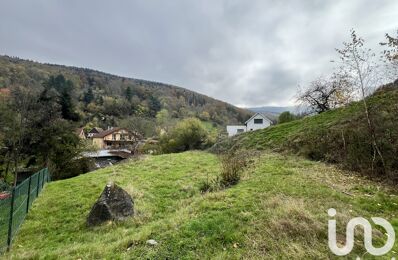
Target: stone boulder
x=113, y=204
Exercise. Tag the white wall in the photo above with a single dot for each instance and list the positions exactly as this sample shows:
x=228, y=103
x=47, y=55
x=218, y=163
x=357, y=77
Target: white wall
x=233, y=129
x=251, y=126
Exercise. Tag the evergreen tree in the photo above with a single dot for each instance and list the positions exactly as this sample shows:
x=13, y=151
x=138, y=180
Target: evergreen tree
x=64, y=88
x=128, y=93
x=88, y=96
x=154, y=106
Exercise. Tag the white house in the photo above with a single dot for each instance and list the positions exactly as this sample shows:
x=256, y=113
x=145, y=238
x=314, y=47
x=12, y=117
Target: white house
x=257, y=121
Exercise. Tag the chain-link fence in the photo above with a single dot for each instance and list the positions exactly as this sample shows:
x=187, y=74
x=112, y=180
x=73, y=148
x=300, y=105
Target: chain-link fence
x=15, y=205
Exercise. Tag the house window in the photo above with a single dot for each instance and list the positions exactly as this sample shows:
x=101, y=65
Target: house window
x=240, y=130
x=258, y=120
x=113, y=137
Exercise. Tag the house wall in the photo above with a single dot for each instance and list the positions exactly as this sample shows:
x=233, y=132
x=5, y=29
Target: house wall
x=233, y=129
x=108, y=141
x=118, y=135
x=82, y=135
x=251, y=126
x=99, y=143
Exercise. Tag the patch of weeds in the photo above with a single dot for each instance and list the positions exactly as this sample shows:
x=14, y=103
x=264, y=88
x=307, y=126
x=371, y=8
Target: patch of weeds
x=233, y=163
x=210, y=185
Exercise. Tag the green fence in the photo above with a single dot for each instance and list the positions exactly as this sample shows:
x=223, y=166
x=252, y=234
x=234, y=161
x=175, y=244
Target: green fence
x=13, y=209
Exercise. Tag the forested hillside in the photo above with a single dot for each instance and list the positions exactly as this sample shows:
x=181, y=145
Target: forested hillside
x=103, y=99
x=42, y=105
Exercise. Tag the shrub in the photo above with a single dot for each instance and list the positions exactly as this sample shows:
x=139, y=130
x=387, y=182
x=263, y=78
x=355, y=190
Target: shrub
x=150, y=147
x=232, y=165
x=188, y=134
x=4, y=186
x=286, y=117
x=72, y=168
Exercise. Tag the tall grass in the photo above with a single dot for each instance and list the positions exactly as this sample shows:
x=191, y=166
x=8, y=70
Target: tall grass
x=232, y=164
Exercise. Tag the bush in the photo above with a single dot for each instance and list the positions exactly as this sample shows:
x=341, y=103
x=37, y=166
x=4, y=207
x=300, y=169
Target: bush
x=73, y=168
x=4, y=186
x=286, y=117
x=188, y=134
x=232, y=165
x=150, y=147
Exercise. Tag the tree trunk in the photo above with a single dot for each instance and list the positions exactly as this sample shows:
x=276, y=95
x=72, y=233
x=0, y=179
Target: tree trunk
x=372, y=131
x=7, y=165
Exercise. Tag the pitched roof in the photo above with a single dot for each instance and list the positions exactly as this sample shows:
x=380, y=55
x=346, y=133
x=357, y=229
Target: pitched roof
x=79, y=130
x=96, y=130
x=264, y=115
x=107, y=132
x=110, y=131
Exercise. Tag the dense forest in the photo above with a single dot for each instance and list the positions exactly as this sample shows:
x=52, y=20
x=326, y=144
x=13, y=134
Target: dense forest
x=104, y=100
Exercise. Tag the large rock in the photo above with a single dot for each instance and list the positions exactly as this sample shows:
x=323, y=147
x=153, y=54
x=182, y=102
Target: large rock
x=113, y=204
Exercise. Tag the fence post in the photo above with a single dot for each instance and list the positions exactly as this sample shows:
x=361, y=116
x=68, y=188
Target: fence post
x=38, y=184
x=28, y=200
x=9, y=238
x=42, y=180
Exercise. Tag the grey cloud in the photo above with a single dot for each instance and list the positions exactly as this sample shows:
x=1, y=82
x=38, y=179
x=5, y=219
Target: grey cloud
x=244, y=52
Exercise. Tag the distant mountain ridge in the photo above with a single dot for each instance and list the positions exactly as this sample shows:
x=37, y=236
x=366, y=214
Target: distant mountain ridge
x=273, y=109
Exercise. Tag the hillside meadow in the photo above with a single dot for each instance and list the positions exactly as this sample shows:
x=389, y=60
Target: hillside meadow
x=339, y=136
x=278, y=210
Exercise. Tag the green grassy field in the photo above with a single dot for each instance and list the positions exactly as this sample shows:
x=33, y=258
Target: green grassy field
x=278, y=210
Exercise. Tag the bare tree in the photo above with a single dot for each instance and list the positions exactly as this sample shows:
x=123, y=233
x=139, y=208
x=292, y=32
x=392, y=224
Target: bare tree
x=358, y=63
x=325, y=94
x=390, y=56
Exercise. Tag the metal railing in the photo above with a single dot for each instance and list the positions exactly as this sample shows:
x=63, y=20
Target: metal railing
x=14, y=208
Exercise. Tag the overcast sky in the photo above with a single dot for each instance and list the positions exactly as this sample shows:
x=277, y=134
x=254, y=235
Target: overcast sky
x=248, y=53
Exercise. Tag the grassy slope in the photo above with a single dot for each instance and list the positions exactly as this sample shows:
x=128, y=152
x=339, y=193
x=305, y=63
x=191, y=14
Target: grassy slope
x=282, y=135
x=278, y=136
x=278, y=210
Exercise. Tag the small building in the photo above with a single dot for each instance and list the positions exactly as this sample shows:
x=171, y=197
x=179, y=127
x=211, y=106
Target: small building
x=80, y=133
x=235, y=129
x=93, y=131
x=116, y=138
x=257, y=121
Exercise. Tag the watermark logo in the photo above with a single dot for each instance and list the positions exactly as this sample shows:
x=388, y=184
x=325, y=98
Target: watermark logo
x=359, y=221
